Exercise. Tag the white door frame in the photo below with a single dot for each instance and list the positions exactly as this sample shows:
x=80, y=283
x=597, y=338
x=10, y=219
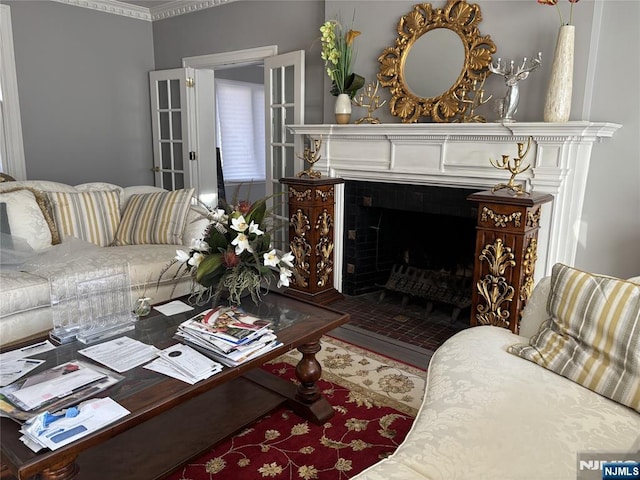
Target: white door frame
x=231, y=59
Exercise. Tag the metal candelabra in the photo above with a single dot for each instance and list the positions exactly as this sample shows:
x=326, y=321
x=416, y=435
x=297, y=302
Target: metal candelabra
x=371, y=96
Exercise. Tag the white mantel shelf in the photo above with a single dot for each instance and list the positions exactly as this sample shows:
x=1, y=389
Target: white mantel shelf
x=457, y=155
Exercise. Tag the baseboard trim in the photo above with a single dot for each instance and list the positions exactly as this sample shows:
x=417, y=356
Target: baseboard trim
x=389, y=347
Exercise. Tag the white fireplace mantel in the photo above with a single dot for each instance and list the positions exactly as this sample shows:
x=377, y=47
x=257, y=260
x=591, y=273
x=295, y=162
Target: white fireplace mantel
x=457, y=155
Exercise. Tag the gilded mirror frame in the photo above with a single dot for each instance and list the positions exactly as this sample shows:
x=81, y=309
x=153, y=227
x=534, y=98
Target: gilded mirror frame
x=463, y=19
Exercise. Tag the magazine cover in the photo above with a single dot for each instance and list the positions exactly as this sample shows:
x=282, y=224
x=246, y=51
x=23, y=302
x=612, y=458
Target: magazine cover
x=228, y=323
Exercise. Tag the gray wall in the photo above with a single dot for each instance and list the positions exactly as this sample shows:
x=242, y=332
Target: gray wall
x=84, y=93
x=605, y=89
x=291, y=25
x=83, y=84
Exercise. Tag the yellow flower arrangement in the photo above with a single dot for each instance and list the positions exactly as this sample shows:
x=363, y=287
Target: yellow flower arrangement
x=338, y=55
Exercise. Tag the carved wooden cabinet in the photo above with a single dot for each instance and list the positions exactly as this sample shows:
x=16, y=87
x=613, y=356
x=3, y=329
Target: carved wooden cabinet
x=311, y=229
x=505, y=255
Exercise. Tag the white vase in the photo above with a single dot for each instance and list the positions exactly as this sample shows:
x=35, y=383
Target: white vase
x=557, y=106
x=343, y=108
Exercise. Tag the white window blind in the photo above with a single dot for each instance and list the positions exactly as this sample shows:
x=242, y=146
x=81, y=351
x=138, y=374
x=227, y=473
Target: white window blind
x=240, y=121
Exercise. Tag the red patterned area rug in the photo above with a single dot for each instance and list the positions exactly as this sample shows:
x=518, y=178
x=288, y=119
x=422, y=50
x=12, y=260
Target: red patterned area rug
x=375, y=400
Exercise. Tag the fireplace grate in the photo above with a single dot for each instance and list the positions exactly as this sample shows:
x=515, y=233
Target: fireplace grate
x=432, y=285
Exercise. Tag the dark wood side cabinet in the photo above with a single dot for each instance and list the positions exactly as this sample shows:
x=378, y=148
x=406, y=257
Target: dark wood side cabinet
x=505, y=255
x=311, y=237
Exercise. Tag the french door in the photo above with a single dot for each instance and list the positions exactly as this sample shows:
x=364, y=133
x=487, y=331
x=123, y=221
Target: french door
x=284, y=98
x=182, y=122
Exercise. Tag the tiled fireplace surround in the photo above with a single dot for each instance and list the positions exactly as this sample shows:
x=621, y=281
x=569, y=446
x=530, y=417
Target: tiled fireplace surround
x=422, y=159
x=391, y=224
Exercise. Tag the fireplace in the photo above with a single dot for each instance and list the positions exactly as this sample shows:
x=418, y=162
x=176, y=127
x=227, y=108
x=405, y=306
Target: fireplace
x=454, y=157
x=397, y=230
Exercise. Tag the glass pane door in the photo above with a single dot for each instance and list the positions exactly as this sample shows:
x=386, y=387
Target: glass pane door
x=284, y=98
x=169, y=121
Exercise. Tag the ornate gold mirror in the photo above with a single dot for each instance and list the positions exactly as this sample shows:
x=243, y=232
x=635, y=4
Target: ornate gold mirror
x=445, y=43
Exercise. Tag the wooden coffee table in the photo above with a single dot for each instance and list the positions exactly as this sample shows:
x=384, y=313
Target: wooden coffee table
x=172, y=422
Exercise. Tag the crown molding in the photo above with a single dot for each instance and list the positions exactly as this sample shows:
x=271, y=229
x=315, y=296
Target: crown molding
x=180, y=7
x=112, y=6
x=165, y=10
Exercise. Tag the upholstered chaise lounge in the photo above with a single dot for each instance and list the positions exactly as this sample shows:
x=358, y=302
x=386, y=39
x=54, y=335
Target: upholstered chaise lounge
x=489, y=414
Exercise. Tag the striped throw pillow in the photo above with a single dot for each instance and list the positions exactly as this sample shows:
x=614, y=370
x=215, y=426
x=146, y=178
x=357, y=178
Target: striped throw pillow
x=90, y=216
x=154, y=218
x=593, y=334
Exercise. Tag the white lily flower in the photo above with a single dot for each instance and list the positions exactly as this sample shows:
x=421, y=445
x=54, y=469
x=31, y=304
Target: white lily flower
x=199, y=245
x=288, y=259
x=182, y=256
x=239, y=224
x=285, y=273
x=242, y=243
x=253, y=228
x=271, y=259
x=219, y=215
x=196, y=259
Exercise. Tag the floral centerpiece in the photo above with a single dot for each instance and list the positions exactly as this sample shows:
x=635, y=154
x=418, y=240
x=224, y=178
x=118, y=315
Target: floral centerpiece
x=235, y=254
x=338, y=54
x=555, y=2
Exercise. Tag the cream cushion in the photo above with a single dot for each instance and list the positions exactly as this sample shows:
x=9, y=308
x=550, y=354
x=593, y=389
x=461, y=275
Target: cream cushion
x=592, y=335
x=154, y=218
x=92, y=216
x=29, y=217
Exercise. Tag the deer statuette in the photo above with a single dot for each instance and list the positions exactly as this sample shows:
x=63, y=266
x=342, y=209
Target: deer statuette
x=512, y=74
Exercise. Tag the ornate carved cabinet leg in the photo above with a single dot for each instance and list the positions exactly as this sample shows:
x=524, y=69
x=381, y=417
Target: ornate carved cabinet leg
x=505, y=256
x=311, y=217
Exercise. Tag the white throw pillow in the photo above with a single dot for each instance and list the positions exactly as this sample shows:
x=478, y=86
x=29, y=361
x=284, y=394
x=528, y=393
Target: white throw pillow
x=29, y=217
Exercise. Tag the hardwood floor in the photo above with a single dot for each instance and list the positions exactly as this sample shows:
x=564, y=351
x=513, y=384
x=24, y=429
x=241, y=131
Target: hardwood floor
x=401, y=328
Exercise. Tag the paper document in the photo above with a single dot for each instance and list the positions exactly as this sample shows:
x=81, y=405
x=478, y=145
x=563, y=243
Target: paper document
x=173, y=308
x=184, y=363
x=91, y=416
x=12, y=370
x=54, y=389
x=54, y=383
x=121, y=354
x=28, y=351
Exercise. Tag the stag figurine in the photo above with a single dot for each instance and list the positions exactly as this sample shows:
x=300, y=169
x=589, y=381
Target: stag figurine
x=512, y=74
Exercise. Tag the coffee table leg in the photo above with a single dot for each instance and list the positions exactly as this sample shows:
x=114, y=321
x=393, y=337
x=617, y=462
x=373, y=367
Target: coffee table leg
x=308, y=401
x=66, y=469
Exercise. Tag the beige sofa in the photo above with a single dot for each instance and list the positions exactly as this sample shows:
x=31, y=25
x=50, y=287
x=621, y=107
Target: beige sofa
x=25, y=273
x=489, y=414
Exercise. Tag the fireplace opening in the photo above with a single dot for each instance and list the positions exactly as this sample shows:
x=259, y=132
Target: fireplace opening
x=413, y=241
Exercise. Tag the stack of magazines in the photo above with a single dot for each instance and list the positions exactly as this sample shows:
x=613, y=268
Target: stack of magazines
x=228, y=335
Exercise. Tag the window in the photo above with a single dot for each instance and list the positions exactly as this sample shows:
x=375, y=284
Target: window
x=11, y=148
x=240, y=135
